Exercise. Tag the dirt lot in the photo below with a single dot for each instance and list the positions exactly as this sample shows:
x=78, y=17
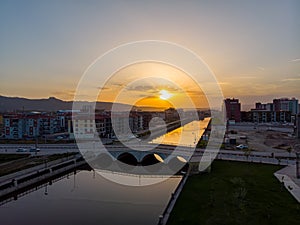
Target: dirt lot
x=266, y=139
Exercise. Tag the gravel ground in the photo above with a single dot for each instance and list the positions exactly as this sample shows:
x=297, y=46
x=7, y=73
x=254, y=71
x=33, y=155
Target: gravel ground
x=265, y=137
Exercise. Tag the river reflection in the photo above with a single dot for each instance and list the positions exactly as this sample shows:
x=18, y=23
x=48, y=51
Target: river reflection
x=187, y=135
x=87, y=198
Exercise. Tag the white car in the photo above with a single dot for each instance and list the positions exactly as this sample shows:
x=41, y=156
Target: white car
x=34, y=150
x=241, y=147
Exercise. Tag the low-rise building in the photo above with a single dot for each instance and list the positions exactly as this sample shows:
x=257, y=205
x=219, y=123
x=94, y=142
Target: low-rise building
x=14, y=125
x=265, y=116
x=29, y=125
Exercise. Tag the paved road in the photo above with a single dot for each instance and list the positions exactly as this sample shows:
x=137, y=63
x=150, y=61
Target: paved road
x=45, y=149
x=264, y=157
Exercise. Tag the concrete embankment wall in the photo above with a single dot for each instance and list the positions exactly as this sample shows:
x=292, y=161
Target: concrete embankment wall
x=20, y=180
x=163, y=219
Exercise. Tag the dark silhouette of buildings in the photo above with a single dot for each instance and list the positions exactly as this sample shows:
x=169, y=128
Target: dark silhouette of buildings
x=233, y=109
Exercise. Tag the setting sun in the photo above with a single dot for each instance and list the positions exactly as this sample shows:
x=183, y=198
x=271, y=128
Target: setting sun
x=164, y=95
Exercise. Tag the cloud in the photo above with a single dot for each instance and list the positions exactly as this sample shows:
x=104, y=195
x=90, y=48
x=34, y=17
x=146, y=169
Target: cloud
x=291, y=79
x=247, y=77
x=241, y=76
x=117, y=84
x=195, y=93
x=261, y=68
x=103, y=88
x=224, y=83
x=145, y=96
x=152, y=89
x=65, y=94
x=143, y=88
x=295, y=60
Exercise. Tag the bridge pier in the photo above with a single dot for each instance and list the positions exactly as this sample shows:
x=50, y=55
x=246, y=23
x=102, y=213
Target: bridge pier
x=194, y=168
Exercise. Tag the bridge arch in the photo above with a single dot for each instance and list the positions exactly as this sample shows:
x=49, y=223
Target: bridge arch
x=128, y=158
x=151, y=159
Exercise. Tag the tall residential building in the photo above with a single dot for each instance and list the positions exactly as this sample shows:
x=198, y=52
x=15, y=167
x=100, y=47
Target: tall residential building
x=233, y=109
x=298, y=125
x=286, y=104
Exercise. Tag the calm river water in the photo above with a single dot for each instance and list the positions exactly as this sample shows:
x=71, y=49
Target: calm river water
x=87, y=198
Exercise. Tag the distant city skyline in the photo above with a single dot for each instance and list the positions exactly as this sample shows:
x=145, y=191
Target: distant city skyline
x=251, y=46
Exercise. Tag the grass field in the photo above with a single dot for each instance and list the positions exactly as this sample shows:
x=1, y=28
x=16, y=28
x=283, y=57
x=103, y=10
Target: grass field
x=235, y=193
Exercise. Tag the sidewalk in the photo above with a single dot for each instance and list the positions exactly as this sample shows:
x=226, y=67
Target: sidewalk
x=291, y=183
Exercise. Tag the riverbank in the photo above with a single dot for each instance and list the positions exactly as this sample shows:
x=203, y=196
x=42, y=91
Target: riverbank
x=13, y=184
x=13, y=163
x=235, y=193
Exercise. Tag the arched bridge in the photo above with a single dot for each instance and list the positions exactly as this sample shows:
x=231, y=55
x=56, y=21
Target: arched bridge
x=160, y=156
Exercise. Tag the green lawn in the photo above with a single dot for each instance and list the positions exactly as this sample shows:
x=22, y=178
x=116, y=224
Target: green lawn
x=235, y=193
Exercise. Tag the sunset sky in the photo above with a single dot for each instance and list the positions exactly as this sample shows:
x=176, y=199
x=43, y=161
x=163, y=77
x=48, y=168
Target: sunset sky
x=251, y=46
x=149, y=82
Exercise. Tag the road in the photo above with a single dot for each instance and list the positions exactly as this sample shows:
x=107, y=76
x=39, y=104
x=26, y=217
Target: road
x=265, y=157
x=45, y=149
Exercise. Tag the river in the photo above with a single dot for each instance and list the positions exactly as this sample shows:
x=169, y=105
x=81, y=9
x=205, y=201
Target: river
x=187, y=135
x=88, y=198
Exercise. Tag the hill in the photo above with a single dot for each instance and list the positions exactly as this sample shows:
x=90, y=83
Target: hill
x=9, y=104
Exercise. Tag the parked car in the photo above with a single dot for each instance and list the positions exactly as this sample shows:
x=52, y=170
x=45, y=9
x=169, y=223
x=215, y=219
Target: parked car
x=241, y=147
x=21, y=150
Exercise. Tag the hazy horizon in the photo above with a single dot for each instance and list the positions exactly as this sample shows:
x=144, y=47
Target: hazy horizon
x=252, y=47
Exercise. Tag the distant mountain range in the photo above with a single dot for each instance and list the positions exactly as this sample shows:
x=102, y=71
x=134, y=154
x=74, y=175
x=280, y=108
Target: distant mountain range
x=9, y=104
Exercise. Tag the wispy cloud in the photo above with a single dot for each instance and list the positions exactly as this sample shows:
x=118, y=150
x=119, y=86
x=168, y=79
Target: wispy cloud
x=144, y=88
x=103, y=88
x=291, y=79
x=261, y=68
x=295, y=60
x=242, y=76
x=194, y=93
x=223, y=83
x=116, y=84
x=152, y=89
x=65, y=94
